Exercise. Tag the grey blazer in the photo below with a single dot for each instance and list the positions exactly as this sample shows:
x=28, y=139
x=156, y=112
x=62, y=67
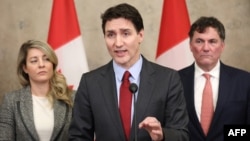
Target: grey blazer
x=16, y=118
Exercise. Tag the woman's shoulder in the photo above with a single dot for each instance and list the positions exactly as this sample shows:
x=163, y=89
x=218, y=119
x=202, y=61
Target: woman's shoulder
x=17, y=94
x=73, y=94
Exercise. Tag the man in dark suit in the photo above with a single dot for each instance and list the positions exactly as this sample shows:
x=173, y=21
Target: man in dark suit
x=230, y=86
x=160, y=107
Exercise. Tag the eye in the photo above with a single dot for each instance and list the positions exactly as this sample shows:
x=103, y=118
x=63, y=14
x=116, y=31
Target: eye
x=33, y=61
x=199, y=41
x=126, y=33
x=46, y=59
x=213, y=41
x=110, y=35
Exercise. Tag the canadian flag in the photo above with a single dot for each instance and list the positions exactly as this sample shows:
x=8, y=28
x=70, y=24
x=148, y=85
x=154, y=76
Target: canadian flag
x=173, y=43
x=65, y=38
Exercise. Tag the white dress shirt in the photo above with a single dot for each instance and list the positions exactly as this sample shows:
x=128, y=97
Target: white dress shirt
x=43, y=117
x=199, y=83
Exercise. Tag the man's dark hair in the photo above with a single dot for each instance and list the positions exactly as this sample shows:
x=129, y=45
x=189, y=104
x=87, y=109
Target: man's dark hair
x=123, y=10
x=202, y=23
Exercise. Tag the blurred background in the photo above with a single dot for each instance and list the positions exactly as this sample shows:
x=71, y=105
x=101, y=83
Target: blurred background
x=29, y=19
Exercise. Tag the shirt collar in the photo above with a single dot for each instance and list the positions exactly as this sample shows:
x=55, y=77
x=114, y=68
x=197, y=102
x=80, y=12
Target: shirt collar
x=214, y=72
x=134, y=70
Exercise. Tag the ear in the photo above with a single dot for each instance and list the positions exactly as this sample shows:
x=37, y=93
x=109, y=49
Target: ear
x=190, y=46
x=141, y=36
x=24, y=69
x=223, y=45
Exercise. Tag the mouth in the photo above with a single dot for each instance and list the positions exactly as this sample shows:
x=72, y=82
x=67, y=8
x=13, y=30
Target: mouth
x=205, y=55
x=120, y=53
x=42, y=72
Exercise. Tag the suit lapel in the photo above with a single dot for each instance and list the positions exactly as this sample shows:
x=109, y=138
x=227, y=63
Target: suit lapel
x=145, y=89
x=107, y=84
x=188, y=80
x=60, y=118
x=144, y=94
x=224, y=90
x=26, y=112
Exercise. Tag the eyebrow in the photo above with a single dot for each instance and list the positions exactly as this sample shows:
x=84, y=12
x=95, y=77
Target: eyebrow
x=121, y=29
x=44, y=55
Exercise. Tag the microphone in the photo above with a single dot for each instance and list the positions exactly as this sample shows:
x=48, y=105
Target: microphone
x=133, y=89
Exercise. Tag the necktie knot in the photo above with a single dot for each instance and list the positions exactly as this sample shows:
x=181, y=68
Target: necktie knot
x=207, y=76
x=126, y=76
x=125, y=79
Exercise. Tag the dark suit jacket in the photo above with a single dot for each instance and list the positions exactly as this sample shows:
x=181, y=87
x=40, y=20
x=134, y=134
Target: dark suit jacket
x=16, y=118
x=96, y=106
x=233, y=105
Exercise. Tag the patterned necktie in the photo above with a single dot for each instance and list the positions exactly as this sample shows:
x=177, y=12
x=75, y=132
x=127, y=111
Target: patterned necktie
x=207, y=108
x=125, y=104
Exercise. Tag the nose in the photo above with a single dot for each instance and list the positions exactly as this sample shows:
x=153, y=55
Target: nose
x=41, y=63
x=118, y=41
x=206, y=46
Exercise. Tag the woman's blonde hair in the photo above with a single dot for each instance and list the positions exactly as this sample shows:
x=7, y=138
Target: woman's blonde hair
x=58, y=87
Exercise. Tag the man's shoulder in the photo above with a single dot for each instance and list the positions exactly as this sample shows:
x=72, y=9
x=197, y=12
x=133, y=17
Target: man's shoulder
x=234, y=70
x=187, y=69
x=160, y=67
x=102, y=70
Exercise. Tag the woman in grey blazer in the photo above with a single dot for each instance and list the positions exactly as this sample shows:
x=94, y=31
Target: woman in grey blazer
x=41, y=109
